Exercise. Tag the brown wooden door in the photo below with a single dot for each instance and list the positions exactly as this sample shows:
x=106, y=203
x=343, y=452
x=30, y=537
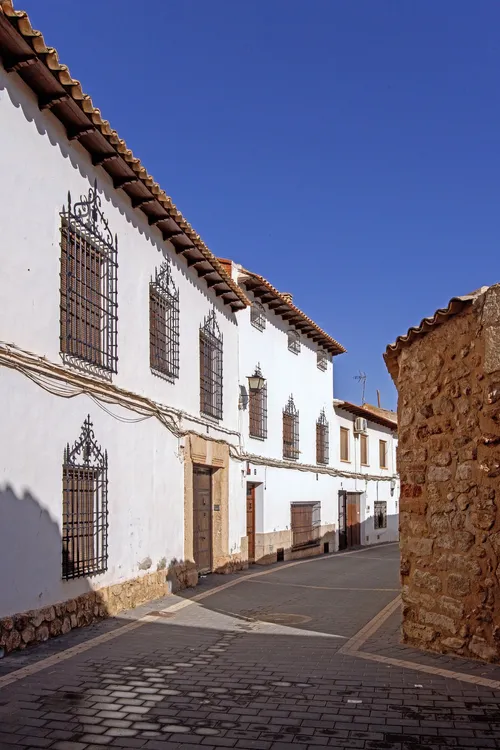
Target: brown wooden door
x=202, y=518
x=251, y=521
x=353, y=512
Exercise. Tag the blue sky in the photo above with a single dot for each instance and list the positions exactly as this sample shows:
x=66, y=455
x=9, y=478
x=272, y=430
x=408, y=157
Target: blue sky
x=348, y=150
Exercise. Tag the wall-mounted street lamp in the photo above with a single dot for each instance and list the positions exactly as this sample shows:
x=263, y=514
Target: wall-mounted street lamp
x=256, y=381
x=393, y=486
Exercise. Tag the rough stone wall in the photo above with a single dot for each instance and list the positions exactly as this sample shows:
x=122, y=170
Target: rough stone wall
x=38, y=625
x=449, y=462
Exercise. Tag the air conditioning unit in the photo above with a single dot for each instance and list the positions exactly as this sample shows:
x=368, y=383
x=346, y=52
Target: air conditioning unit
x=360, y=425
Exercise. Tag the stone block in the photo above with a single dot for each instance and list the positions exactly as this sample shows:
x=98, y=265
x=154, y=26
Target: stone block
x=418, y=633
x=453, y=644
x=443, y=458
x=440, y=622
x=464, y=471
x=492, y=349
x=426, y=580
x=438, y=474
x=451, y=607
x=481, y=648
x=28, y=634
x=458, y=585
x=419, y=546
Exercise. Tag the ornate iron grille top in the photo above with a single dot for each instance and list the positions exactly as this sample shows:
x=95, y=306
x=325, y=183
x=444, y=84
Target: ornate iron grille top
x=89, y=302
x=294, y=342
x=211, y=326
x=258, y=316
x=85, y=451
x=290, y=407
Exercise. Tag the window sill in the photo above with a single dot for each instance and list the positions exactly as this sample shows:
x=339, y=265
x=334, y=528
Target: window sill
x=257, y=437
x=210, y=418
x=345, y=460
x=367, y=466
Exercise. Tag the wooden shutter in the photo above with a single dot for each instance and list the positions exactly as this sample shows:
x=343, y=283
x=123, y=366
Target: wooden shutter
x=305, y=523
x=344, y=444
x=383, y=454
x=364, y=450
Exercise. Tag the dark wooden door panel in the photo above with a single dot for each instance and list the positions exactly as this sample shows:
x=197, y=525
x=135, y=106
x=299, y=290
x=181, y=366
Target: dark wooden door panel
x=202, y=518
x=353, y=513
x=342, y=520
x=251, y=521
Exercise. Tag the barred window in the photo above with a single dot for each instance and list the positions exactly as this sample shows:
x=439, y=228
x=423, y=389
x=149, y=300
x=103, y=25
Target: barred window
x=88, y=284
x=290, y=431
x=322, y=439
x=211, y=367
x=306, y=524
x=380, y=514
x=258, y=316
x=85, y=507
x=164, y=323
x=257, y=410
x=294, y=342
x=322, y=361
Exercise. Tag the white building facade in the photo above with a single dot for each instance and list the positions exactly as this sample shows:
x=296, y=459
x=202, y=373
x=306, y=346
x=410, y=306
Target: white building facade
x=304, y=495
x=135, y=451
x=118, y=363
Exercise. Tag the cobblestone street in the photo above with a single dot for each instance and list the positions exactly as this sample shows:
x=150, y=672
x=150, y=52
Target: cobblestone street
x=294, y=655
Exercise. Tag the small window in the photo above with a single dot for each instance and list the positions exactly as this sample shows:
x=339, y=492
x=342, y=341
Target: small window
x=380, y=514
x=211, y=367
x=290, y=431
x=364, y=450
x=88, y=284
x=294, y=342
x=322, y=361
x=85, y=507
x=258, y=316
x=257, y=411
x=164, y=323
x=344, y=444
x=305, y=524
x=322, y=448
x=383, y=453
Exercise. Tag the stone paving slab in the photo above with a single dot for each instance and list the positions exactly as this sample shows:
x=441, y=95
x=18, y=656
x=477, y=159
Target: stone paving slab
x=199, y=677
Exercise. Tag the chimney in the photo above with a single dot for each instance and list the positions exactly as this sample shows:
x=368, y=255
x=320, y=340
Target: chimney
x=287, y=296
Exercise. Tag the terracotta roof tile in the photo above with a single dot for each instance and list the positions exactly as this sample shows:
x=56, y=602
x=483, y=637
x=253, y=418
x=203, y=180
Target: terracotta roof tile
x=455, y=305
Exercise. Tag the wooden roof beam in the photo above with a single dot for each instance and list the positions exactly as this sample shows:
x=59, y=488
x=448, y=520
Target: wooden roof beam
x=74, y=134
x=12, y=65
x=139, y=202
x=120, y=183
x=154, y=220
x=101, y=159
x=47, y=102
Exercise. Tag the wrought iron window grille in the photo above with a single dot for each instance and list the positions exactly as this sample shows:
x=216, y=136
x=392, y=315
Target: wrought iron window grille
x=322, y=439
x=85, y=507
x=257, y=409
x=89, y=304
x=380, y=514
x=164, y=323
x=322, y=361
x=290, y=431
x=211, y=362
x=294, y=342
x=258, y=316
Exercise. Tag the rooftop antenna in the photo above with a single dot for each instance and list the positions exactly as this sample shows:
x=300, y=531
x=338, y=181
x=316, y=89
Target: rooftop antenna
x=362, y=379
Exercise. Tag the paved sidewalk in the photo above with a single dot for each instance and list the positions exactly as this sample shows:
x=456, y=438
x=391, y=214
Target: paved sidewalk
x=281, y=658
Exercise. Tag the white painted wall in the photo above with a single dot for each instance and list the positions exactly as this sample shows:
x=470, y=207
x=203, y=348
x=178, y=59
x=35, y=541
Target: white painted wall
x=286, y=373
x=146, y=480
x=42, y=166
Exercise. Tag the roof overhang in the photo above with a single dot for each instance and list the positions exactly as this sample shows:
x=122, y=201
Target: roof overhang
x=282, y=306
x=23, y=51
x=360, y=411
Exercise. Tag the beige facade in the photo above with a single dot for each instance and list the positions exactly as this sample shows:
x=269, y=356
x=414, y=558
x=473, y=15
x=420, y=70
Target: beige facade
x=447, y=372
